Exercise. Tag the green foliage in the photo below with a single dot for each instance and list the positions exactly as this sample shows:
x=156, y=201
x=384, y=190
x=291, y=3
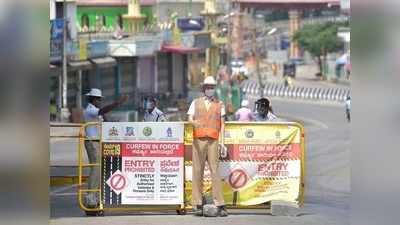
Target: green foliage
x=319, y=39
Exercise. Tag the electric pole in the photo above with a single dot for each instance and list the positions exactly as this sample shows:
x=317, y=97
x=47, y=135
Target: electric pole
x=64, y=109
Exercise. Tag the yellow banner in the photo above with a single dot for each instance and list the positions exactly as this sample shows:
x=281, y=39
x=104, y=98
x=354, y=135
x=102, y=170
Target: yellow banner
x=82, y=49
x=264, y=163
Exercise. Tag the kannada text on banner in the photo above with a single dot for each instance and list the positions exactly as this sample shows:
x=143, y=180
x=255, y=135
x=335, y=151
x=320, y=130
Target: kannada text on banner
x=142, y=163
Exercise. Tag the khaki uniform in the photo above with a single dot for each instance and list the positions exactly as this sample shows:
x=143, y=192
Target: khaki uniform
x=205, y=148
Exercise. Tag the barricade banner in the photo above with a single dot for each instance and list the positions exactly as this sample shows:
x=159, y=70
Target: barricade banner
x=142, y=163
x=263, y=163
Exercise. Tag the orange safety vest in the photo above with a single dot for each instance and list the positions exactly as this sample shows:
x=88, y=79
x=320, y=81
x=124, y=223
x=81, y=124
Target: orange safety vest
x=209, y=120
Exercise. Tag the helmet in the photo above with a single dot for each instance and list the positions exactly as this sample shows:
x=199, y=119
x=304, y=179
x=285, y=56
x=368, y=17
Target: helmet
x=262, y=105
x=209, y=80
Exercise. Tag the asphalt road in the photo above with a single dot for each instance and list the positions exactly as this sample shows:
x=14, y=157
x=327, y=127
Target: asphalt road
x=327, y=190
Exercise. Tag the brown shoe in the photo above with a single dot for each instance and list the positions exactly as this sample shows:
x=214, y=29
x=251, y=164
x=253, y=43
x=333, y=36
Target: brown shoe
x=198, y=210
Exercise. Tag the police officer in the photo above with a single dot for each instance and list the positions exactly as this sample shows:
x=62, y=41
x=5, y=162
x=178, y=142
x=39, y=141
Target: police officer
x=206, y=114
x=94, y=113
x=152, y=113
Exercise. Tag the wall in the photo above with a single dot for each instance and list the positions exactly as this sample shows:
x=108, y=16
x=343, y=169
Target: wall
x=162, y=72
x=111, y=13
x=178, y=73
x=145, y=78
x=164, y=9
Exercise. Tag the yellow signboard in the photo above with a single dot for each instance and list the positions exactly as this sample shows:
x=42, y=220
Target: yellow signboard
x=264, y=162
x=82, y=49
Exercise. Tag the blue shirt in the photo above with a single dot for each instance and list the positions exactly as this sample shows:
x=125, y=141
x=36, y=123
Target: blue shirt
x=91, y=114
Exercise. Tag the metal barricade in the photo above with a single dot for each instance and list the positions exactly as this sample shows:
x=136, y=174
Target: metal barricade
x=99, y=210
x=81, y=165
x=182, y=208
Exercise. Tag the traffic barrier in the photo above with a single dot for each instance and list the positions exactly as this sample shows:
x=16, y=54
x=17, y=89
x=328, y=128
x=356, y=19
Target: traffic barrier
x=309, y=93
x=257, y=89
x=135, y=156
x=264, y=162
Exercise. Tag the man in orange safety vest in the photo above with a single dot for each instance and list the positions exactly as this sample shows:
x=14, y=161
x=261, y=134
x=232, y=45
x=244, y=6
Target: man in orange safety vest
x=206, y=114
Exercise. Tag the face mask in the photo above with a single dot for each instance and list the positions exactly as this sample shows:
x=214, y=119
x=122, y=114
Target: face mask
x=149, y=105
x=209, y=92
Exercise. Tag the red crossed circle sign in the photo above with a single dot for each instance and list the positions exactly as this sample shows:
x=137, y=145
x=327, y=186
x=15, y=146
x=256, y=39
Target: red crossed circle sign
x=117, y=182
x=238, y=178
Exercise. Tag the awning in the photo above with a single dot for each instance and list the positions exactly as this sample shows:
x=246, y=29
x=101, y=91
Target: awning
x=80, y=65
x=110, y=2
x=178, y=49
x=104, y=62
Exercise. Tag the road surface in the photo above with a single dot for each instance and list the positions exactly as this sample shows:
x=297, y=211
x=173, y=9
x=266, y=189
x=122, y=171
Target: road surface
x=327, y=190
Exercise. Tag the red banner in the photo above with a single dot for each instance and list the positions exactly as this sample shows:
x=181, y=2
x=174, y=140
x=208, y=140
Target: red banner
x=152, y=149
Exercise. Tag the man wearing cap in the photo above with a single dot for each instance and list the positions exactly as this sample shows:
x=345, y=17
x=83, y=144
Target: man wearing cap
x=94, y=113
x=207, y=117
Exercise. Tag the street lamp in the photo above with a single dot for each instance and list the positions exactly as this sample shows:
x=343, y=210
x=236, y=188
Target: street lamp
x=64, y=113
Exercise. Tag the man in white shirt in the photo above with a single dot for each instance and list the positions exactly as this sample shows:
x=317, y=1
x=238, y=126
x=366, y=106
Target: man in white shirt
x=94, y=113
x=152, y=113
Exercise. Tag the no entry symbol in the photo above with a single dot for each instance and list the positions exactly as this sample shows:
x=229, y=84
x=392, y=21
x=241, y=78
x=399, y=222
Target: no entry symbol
x=117, y=182
x=238, y=179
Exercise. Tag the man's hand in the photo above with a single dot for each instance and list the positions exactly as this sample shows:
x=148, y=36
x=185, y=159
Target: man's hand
x=223, y=151
x=122, y=99
x=116, y=103
x=195, y=123
x=192, y=121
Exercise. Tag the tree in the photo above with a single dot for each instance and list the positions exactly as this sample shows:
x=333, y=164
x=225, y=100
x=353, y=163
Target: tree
x=319, y=40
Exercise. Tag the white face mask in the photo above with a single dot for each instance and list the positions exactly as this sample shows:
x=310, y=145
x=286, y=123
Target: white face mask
x=209, y=92
x=149, y=105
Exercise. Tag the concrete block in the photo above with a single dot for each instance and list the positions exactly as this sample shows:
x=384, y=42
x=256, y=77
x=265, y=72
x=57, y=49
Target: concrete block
x=210, y=210
x=284, y=208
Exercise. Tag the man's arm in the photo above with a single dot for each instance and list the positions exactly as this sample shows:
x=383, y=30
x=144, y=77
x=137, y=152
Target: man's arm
x=191, y=113
x=113, y=105
x=222, y=131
